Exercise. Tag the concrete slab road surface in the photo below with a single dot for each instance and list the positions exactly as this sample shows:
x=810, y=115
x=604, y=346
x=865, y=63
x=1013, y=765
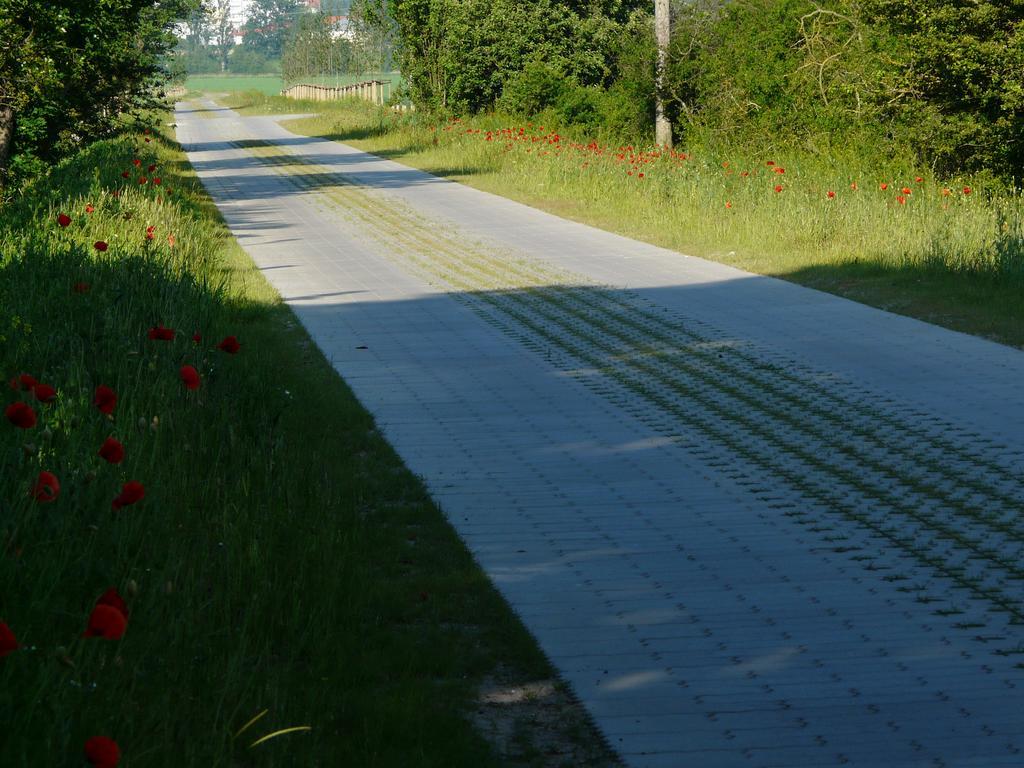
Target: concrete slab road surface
x=752, y=524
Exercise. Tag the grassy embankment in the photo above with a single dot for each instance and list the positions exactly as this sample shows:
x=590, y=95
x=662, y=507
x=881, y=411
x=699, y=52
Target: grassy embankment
x=257, y=575
x=949, y=251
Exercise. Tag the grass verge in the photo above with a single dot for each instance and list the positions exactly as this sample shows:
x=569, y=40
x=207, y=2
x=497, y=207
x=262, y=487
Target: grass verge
x=948, y=251
x=258, y=576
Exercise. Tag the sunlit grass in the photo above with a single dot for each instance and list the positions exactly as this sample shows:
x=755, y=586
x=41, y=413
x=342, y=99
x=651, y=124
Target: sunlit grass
x=942, y=254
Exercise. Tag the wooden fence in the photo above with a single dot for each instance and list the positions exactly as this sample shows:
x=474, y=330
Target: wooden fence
x=377, y=91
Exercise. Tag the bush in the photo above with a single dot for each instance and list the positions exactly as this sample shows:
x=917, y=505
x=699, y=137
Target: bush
x=532, y=90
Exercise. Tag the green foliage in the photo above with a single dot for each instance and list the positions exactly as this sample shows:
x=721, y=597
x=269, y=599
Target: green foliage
x=935, y=81
x=311, y=49
x=69, y=69
x=459, y=56
x=266, y=27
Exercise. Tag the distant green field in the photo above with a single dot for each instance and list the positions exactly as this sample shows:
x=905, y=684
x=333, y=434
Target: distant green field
x=272, y=84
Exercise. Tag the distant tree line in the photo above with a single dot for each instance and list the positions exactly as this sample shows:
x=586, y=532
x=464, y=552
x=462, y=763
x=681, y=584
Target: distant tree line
x=941, y=79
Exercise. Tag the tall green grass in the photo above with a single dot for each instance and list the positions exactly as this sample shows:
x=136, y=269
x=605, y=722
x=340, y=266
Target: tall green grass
x=941, y=254
x=258, y=575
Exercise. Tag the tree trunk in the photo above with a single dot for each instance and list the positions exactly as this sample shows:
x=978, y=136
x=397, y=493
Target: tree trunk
x=6, y=135
x=662, y=31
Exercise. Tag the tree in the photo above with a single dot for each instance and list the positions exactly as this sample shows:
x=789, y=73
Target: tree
x=223, y=33
x=309, y=49
x=267, y=24
x=663, y=33
x=68, y=69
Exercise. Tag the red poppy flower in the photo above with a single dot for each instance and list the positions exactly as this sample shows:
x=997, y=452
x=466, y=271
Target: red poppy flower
x=883, y=186
x=230, y=345
x=126, y=174
x=853, y=185
x=150, y=168
x=197, y=338
x=44, y=393
x=770, y=163
x=80, y=288
x=112, y=451
x=136, y=162
x=728, y=204
x=143, y=180
x=113, y=598
x=24, y=382
x=778, y=170
x=967, y=190
x=20, y=415
x=105, y=399
x=189, y=377
x=100, y=245
x=778, y=187
x=107, y=622
x=102, y=752
x=901, y=199
x=159, y=333
x=918, y=179
x=8, y=642
x=63, y=219
x=47, y=488
x=906, y=191
x=946, y=192
x=157, y=180
x=131, y=492
x=831, y=194
x=89, y=209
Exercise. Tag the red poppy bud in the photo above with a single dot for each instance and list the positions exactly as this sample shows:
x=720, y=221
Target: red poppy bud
x=157, y=180
x=853, y=185
x=151, y=168
x=830, y=194
x=779, y=170
x=190, y=377
x=131, y=492
x=100, y=245
x=230, y=345
x=8, y=642
x=778, y=187
x=107, y=622
x=906, y=191
x=112, y=451
x=113, y=598
x=63, y=219
x=20, y=415
x=105, y=399
x=46, y=489
x=102, y=752
x=44, y=393
x=918, y=179
x=126, y=174
x=136, y=162
x=967, y=190
x=80, y=287
x=728, y=204
x=883, y=186
x=89, y=209
x=770, y=163
x=901, y=199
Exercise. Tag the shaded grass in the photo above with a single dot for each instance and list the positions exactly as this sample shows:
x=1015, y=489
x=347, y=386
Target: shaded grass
x=259, y=575
x=944, y=256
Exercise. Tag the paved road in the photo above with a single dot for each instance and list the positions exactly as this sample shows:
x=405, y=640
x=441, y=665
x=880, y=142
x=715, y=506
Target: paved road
x=752, y=524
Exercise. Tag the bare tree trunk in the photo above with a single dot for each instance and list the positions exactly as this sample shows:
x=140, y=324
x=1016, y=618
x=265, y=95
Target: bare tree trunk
x=662, y=31
x=6, y=134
